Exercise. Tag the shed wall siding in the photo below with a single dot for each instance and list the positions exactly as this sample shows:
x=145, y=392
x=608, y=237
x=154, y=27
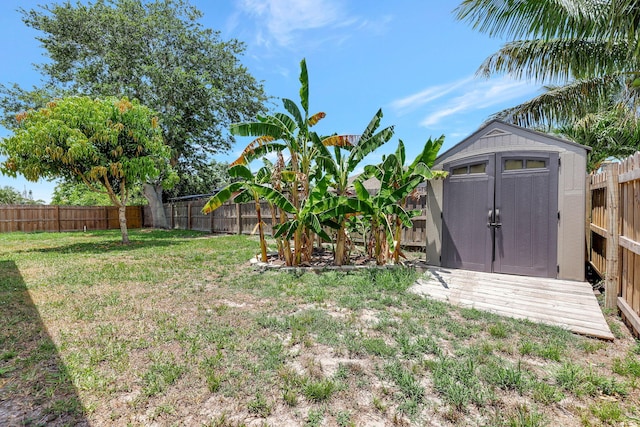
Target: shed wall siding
x=434, y=221
x=571, y=200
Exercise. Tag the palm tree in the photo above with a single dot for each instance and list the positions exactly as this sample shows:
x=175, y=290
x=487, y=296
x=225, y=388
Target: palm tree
x=587, y=49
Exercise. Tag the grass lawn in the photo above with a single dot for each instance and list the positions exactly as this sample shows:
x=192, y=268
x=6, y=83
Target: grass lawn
x=177, y=329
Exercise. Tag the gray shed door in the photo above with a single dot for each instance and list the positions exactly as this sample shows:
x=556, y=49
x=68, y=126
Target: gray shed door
x=500, y=214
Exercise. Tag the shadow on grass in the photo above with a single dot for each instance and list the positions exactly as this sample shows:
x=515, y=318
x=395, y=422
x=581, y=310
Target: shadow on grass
x=139, y=239
x=35, y=386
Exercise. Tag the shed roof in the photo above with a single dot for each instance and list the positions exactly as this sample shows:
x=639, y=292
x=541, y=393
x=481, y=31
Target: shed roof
x=496, y=127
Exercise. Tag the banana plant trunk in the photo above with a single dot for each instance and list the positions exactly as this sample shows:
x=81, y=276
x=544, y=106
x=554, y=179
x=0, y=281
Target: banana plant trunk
x=288, y=256
x=397, y=238
x=341, y=238
x=263, y=243
x=274, y=216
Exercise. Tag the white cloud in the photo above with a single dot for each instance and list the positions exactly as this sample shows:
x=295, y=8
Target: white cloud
x=286, y=23
x=283, y=18
x=427, y=95
x=477, y=96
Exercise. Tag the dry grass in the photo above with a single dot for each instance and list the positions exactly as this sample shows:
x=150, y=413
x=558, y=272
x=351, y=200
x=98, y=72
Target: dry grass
x=177, y=329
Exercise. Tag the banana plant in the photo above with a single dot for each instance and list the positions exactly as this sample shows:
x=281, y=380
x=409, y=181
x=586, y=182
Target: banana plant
x=338, y=167
x=250, y=187
x=291, y=133
x=387, y=208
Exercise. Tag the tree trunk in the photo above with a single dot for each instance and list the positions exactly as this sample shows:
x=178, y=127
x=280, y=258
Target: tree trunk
x=122, y=217
x=153, y=193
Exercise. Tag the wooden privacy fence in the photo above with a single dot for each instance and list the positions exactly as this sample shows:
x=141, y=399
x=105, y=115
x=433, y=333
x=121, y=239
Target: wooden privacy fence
x=613, y=243
x=234, y=218
x=30, y=218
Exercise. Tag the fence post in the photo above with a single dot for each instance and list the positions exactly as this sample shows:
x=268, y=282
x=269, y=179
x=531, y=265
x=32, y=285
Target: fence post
x=189, y=216
x=211, y=224
x=611, y=276
x=57, y=214
x=239, y=218
x=587, y=214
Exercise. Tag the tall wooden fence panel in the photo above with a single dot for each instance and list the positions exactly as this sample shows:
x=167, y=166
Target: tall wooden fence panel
x=233, y=218
x=31, y=218
x=614, y=244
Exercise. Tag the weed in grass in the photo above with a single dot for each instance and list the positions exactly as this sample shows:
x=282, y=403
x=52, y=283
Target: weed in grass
x=591, y=346
x=222, y=421
x=575, y=379
x=210, y=368
x=471, y=313
x=163, y=372
x=271, y=352
x=343, y=419
x=457, y=382
x=616, y=329
x=71, y=406
x=636, y=348
x=506, y=377
x=379, y=404
x=551, y=350
x=259, y=406
x=498, y=330
x=546, y=394
x=314, y=418
x=411, y=389
x=525, y=417
x=628, y=367
x=378, y=347
x=318, y=391
x=163, y=409
x=609, y=413
x=290, y=397
x=8, y=355
x=460, y=329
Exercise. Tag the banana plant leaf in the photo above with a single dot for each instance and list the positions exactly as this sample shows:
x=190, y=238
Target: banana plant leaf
x=222, y=196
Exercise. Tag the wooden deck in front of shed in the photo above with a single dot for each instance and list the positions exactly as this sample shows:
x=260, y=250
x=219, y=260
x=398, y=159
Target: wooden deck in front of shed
x=568, y=304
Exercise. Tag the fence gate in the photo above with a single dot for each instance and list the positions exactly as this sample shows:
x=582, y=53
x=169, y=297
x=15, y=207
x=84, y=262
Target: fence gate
x=500, y=213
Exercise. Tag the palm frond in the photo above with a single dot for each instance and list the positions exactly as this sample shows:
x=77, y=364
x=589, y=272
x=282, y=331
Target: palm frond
x=561, y=104
x=559, y=60
x=544, y=19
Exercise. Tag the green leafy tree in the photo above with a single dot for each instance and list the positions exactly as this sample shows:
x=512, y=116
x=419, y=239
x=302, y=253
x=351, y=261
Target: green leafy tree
x=199, y=178
x=11, y=196
x=76, y=193
x=110, y=145
x=153, y=51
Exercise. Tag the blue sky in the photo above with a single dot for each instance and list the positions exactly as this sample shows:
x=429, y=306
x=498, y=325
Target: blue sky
x=410, y=58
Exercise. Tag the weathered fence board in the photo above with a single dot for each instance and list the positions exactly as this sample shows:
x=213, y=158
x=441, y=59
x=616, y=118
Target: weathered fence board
x=232, y=218
x=31, y=218
x=614, y=224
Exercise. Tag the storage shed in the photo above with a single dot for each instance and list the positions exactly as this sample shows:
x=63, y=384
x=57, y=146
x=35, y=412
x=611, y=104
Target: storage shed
x=514, y=202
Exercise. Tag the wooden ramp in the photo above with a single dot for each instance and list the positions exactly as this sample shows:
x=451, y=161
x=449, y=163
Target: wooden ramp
x=568, y=304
